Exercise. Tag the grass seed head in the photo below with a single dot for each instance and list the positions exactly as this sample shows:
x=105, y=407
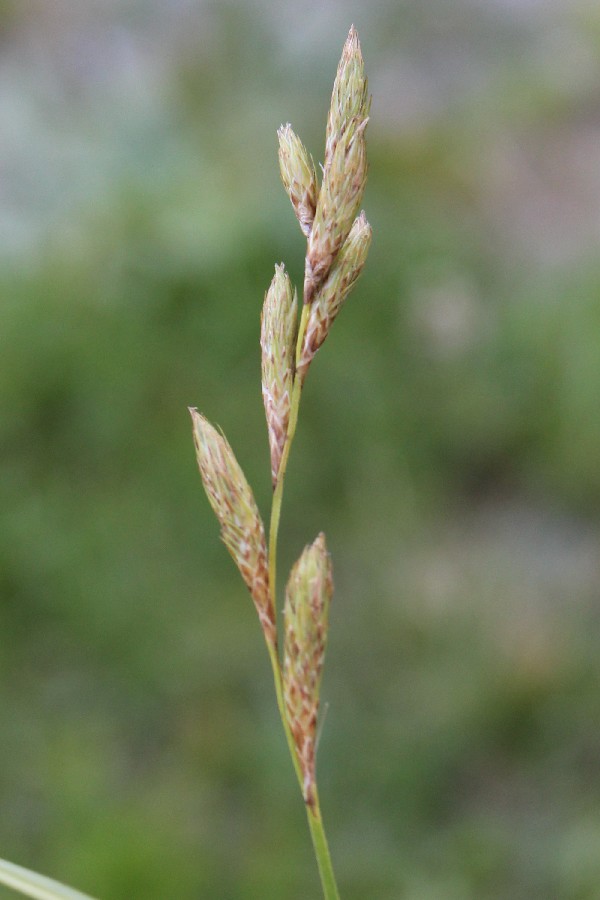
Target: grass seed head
x=350, y=97
x=242, y=529
x=306, y=620
x=299, y=176
x=344, y=181
x=329, y=298
x=279, y=324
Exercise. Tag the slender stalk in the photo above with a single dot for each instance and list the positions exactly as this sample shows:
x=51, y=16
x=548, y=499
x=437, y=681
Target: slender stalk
x=321, y=847
x=278, y=493
x=313, y=813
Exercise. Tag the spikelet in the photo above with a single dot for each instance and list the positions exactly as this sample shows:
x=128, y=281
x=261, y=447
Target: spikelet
x=330, y=296
x=299, y=176
x=306, y=619
x=345, y=168
x=340, y=196
x=350, y=97
x=242, y=529
x=279, y=324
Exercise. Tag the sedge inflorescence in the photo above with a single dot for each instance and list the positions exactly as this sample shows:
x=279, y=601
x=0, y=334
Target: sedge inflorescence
x=338, y=237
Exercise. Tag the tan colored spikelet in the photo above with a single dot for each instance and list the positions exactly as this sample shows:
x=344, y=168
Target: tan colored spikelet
x=242, y=529
x=350, y=97
x=331, y=295
x=340, y=196
x=299, y=176
x=279, y=323
x=306, y=620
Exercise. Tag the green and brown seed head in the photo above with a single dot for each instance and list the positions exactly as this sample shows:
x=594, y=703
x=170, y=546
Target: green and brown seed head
x=345, y=167
x=299, y=176
x=340, y=197
x=242, y=529
x=330, y=297
x=279, y=323
x=350, y=97
x=306, y=621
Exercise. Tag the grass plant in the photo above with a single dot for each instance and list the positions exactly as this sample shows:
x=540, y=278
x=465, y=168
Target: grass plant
x=338, y=239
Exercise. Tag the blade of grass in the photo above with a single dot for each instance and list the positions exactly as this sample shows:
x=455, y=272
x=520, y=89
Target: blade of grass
x=38, y=886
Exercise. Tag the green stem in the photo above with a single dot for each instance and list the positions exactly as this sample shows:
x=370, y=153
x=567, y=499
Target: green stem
x=321, y=847
x=313, y=812
x=278, y=493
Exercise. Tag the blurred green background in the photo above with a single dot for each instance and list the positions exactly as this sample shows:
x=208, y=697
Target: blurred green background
x=449, y=446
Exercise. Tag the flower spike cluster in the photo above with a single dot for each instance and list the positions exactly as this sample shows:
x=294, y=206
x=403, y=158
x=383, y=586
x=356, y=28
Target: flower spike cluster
x=299, y=176
x=233, y=503
x=306, y=621
x=338, y=284
x=279, y=324
x=344, y=181
x=338, y=238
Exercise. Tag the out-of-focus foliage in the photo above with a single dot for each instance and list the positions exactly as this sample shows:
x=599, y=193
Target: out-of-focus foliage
x=448, y=446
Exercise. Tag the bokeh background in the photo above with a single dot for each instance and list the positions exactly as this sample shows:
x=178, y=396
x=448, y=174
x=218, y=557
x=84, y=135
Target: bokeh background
x=449, y=446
